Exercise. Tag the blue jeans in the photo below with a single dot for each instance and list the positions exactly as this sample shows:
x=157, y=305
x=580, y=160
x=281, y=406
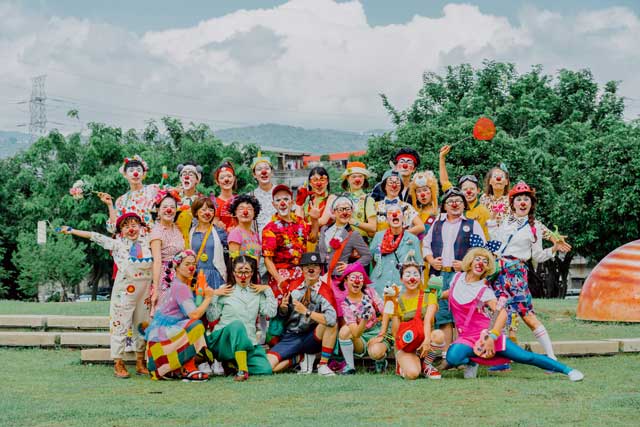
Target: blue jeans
x=459, y=354
x=443, y=315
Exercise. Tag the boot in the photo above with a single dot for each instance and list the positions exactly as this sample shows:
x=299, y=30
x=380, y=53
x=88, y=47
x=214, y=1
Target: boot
x=141, y=365
x=120, y=370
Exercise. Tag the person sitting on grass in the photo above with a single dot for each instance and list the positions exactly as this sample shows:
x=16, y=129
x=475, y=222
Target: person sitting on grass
x=129, y=306
x=233, y=339
x=310, y=322
x=411, y=363
x=176, y=334
x=479, y=334
x=361, y=310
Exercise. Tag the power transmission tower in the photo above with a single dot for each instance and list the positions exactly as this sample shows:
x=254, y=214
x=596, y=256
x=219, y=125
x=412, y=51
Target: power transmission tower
x=37, y=107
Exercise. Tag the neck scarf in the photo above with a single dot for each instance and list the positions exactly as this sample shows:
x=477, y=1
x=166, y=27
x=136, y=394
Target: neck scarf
x=390, y=242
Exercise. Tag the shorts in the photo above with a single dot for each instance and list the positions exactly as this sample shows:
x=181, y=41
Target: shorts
x=371, y=333
x=292, y=344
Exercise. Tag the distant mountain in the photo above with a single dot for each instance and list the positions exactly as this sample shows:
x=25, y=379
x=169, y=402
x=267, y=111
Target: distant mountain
x=12, y=142
x=316, y=141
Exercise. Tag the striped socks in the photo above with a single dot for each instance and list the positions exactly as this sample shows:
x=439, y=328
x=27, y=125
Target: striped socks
x=325, y=355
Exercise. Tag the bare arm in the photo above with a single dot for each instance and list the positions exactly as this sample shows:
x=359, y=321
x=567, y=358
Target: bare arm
x=442, y=165
x=272, y=269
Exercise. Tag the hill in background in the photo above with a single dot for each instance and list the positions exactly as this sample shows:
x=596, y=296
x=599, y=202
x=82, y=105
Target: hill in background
x=316, y=141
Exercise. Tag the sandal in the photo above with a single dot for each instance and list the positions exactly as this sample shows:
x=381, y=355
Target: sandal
x=241, y=376
x=195, y=376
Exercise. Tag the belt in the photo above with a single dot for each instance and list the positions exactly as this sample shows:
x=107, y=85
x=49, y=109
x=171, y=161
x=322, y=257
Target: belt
x=447, y=269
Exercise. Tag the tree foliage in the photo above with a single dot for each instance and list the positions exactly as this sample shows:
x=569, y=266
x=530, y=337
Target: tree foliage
x=563, y=134
x=36, y=185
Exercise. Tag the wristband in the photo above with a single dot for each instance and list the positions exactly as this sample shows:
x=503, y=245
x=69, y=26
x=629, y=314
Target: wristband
x=493, y=334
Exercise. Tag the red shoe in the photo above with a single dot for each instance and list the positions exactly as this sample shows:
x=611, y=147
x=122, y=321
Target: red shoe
x=430, y=371
x=241, y=376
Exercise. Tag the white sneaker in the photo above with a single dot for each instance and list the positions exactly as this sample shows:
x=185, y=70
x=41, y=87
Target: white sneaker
x=204, y=367
x=305, y=369
x=218, y=370
x=471, y=371
x=575, y=375
x=325, y=371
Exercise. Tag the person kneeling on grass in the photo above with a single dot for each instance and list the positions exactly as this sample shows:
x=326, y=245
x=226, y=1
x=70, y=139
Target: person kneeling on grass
x=233, y=339
x=479, y=338
x=130, y=302
x=176, y=335
x=417, y=343
x=362, y=324
x=310, y=322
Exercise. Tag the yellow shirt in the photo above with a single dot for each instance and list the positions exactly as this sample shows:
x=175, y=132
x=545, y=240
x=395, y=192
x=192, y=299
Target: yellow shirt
x=407, y=306
x=476, y=211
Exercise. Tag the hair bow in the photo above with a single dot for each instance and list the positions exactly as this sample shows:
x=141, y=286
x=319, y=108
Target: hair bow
x=475, y=241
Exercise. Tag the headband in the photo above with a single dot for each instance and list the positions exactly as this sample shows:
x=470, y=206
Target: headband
x=135, y=158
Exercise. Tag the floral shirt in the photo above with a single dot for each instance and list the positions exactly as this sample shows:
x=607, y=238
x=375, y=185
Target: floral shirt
x=370, y=305
x=139, y=202
x=249, y=242
x=222, y=212
x=285, y=241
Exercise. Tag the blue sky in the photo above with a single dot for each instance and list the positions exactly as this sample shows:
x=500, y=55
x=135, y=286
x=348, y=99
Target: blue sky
x=309, y=63
x=154, y=15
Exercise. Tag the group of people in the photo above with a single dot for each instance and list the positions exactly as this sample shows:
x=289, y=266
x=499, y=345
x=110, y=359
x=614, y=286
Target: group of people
x=273, y=280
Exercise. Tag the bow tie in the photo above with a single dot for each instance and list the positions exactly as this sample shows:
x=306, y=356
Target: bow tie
x=391, y=202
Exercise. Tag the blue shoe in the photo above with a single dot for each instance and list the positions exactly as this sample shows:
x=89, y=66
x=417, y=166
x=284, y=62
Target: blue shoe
x=347, y=370
x=505, y=367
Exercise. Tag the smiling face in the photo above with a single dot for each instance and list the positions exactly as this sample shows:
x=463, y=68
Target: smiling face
x=470, y=191
x=242, y=273
x=226, y=179
x=245, y=212
x=134, y=174
x=262, y=173
x=479, y=265
x=392, y=186
x=188, y=179
x=355, y=282
x=167, y=209
x=130, y=228
x=319, y=183
x=405, y=166
x=205, y=214
x=356, y=181
x=343, y=210
x=282, y=203
x=311, y=272
x=522, y=205
x=411, y=277
x=498, y=179
x=187, y=267
x=424, y=195
x=454, y=206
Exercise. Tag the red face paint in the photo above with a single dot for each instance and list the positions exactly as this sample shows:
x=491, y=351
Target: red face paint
x=357, y=282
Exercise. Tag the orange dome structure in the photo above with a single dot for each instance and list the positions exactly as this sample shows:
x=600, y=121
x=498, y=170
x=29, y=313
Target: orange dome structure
x=612, y=290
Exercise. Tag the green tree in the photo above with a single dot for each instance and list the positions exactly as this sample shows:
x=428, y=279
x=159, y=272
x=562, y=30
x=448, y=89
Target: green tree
x=59, y=261
x=562, y=134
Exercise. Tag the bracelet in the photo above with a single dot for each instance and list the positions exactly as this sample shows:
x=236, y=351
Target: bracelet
x=493, y=334
x=308, y=314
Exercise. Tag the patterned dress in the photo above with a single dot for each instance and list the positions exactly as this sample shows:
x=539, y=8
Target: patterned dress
x=171, y=242
x=172, y=337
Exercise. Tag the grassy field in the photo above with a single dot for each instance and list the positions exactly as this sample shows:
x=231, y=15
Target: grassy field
x=557, y=315
x=52, y=388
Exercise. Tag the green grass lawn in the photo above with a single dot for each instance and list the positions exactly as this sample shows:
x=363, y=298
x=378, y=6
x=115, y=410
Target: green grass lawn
x=557, y=315
x=52, y=388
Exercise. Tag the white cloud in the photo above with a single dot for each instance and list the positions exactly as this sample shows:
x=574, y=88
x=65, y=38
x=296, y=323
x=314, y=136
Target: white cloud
x=310, y=63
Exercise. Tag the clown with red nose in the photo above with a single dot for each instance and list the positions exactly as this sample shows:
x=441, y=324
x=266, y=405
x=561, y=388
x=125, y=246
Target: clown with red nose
x=129, y=306
x=393, y=185
x=190, y=176
x=139, y=199
x=355, y=181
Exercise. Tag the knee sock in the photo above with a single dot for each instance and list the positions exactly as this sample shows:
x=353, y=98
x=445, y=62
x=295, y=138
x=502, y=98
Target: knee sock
x=436, y=350
x=325, y=355
x=241, y=360
x=190, y=366
x=545, y=341
x=346, y=346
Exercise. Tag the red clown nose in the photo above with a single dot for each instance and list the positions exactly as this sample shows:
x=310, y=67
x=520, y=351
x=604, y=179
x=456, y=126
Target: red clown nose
x=135, y=174
x=191, y=269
